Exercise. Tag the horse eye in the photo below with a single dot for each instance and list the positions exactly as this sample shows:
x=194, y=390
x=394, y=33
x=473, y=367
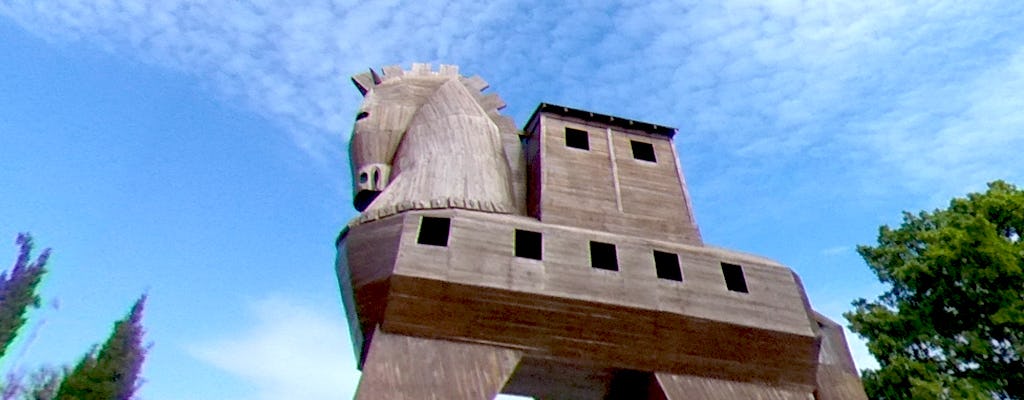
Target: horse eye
x=361, y=115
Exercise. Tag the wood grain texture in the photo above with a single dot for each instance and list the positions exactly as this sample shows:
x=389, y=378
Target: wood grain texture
x=427, y=140
x=480, y=252
x=451, y=153
x=476, y=290
x=462, y=317
x=606, y=188
x=403, y=367
x=552, y=379
x=680, y=387
x=835, y=383
x=837, y=374
x=372, y=250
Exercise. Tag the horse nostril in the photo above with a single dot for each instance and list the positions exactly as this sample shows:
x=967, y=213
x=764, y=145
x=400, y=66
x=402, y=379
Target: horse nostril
x=376, y=177
x=363, y=177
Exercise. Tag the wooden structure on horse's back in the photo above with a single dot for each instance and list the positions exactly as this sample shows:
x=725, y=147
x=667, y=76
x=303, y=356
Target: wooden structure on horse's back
x=558, y=262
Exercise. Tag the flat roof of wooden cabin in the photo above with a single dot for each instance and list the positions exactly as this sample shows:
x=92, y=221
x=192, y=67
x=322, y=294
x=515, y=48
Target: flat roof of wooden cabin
x=611, y=120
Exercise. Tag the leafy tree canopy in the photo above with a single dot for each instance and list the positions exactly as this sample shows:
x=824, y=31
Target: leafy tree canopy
x=951, y=324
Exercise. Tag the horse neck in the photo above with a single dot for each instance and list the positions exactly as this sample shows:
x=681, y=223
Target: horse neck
x=452, y=153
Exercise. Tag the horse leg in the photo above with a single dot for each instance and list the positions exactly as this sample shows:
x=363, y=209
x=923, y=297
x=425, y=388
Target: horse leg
x=406, y=367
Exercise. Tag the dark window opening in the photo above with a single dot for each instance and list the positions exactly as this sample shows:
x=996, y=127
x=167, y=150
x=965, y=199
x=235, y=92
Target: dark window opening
x=528, y=244
x=734, y=279
x=643, y=151
x=632, y=384
x=667, y=265
x=576, y=138
x=361, y=115
x=602, y=256
x=434, y=231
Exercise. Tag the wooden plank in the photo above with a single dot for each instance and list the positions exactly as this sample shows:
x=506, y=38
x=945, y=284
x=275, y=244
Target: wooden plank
x=402, y=367
x=605, y=188
x=835, y=383
x=551, y=379
x=837, y=374
x=688, y=387
x=480, y=252
x=580, y=330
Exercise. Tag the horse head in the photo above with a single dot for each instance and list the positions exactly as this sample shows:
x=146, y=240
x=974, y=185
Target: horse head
x=383, y=118
x=431, y=139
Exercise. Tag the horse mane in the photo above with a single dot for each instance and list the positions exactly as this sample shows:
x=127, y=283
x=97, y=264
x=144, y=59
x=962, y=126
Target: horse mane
x=492, y=103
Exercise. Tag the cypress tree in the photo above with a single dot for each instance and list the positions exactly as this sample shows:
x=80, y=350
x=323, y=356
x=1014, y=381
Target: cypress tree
x=18, y=290
x=112, y=372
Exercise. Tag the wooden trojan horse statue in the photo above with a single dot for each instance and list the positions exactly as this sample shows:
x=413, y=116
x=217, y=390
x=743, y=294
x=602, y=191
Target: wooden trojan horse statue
x=558, y=262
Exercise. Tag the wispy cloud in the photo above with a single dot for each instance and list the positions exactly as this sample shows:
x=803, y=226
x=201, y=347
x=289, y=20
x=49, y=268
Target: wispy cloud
x=835, y=250
x=291, y=351
x=922, y=89
x=799, y=104
x=959, y=134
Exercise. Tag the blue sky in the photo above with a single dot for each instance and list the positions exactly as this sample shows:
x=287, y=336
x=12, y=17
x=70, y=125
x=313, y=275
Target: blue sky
x=197, y=151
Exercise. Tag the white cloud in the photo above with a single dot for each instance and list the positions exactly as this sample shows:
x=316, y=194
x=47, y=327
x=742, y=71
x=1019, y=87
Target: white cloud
x=954, y=138
x=921, y=89
x=292, y=351
x=833, y=100
x=835, y=250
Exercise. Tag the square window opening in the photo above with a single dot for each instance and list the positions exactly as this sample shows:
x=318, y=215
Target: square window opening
x=643, y=151
x=734, y=279
x=434, y=231
x=577, y=139
x=529, y=244
x=603, y=256
x=667, y=265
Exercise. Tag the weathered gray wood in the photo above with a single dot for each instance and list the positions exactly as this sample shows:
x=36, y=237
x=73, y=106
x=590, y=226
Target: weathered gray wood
x=474, y=288
x=424, y=317
x=680, y=387
x=587, y=188
x=431, y=140
x=403, y=367
x=837, y=374
x=426, y=170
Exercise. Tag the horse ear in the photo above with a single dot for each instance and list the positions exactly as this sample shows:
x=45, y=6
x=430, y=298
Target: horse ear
x=363, y=89
x=366, y=80
x=363, y=82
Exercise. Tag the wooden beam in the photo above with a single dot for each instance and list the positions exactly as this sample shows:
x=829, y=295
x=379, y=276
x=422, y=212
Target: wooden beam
x=689, y=387
x=402, y=367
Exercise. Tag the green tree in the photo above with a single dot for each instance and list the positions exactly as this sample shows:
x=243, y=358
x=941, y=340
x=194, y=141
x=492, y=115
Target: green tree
x=112, y=372
x=18, y=290
x=42, y=384
x=951, y=324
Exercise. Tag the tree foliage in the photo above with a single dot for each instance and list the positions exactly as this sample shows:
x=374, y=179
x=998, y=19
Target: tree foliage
x=951, y=324
x=42, y=384
x=18, y=290
x=112, y=372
